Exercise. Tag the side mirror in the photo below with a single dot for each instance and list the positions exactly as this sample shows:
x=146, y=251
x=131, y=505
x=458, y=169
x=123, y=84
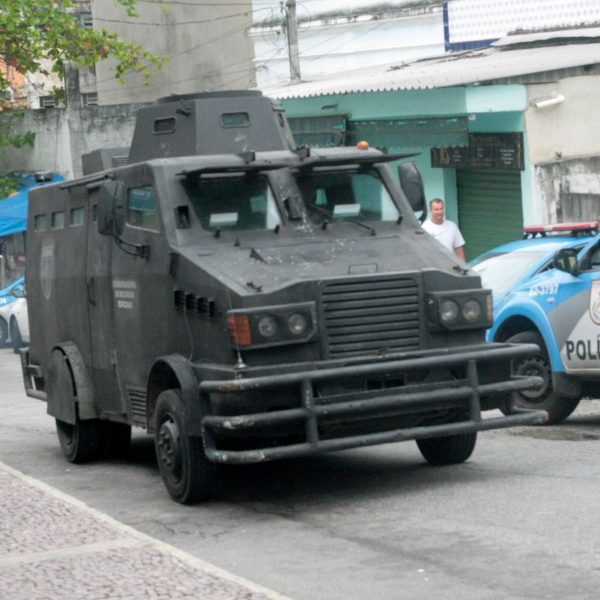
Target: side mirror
x=565, y=259
x=18, y=293
x=411, y=183
x=111, y=207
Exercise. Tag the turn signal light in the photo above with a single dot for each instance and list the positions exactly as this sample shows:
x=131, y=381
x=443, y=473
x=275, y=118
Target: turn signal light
x=239, y=330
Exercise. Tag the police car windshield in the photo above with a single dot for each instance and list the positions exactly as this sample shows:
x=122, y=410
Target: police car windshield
x=502, y=271
x=355, y=194
x=238, y=202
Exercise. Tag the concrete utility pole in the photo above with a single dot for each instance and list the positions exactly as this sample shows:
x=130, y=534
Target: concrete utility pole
x=292, y=36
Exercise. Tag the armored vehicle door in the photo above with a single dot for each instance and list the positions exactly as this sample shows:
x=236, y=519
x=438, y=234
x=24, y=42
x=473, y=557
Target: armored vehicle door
x=142, y=291
x=101, y=318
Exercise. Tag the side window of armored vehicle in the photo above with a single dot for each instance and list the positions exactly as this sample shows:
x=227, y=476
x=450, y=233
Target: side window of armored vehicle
x=58, y=220
x=239, y=119
x=142, y=210
x=233, y=202
x=357, y=194
x=40, y=222
x=77, y=216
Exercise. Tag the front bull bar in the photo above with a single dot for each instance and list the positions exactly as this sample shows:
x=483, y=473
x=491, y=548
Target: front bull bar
x=420, y=396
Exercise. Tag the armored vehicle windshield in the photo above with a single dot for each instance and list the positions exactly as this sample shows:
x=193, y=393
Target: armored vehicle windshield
x=232, y=202
x=356, y=193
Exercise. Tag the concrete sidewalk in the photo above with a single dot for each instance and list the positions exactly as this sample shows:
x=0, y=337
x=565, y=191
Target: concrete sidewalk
x=53, y=546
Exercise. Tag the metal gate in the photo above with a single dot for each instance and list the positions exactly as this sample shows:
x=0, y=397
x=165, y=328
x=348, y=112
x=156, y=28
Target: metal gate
x=490, y=209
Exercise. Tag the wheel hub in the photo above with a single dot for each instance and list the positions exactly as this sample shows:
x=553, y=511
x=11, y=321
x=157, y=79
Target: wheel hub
x=538, y=367
x=169, y=447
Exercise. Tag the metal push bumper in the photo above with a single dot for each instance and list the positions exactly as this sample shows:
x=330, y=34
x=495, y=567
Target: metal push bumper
x=418, y=397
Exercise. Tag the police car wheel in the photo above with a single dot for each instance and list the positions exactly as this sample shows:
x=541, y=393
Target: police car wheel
x=449, y=450
x=186, y=472
x=15, y=336
x=3, y=332
x=558, y=407
x=80, y=442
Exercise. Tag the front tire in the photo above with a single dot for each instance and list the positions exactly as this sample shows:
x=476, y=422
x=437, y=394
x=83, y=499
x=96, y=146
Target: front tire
x=186, y=472
x=448, y=450
x=558, y=407
x=80, y=442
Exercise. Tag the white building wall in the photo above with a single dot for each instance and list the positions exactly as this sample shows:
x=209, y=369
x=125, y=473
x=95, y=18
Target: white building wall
x=571, y=127
x=564, y=149
x=331, y=43
x=206, y=44
x=341, y=35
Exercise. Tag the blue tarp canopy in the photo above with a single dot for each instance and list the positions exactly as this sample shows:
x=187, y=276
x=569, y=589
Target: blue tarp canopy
x=13, y=210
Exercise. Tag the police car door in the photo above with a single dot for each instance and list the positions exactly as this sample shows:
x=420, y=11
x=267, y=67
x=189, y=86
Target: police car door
x=576, y=319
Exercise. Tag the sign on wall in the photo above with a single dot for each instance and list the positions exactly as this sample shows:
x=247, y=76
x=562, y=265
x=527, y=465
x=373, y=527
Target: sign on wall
x=485, y=151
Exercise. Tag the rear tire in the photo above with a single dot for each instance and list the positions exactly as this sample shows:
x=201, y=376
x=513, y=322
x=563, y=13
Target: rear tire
x=186, y=472
x=558, y=407
x=80, y=442
x=449, y=450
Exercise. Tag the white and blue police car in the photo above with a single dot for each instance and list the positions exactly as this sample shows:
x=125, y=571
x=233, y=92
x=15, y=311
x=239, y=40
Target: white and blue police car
x=7, y=298
x=547, y=291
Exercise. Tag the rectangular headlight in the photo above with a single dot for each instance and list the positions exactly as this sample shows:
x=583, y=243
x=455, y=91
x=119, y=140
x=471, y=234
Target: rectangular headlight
x=460, y=309
x=269, y=326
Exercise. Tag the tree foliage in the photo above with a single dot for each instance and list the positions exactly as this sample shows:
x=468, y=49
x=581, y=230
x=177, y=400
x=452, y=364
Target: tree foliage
x=42, y=36
x=35, y=31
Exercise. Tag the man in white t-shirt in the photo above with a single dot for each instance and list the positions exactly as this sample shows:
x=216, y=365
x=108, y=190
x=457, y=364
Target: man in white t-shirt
x=444, y=231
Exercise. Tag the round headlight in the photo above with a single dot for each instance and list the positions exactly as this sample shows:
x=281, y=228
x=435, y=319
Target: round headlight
x=471, y=310
x=297, y=324
x=267, y=326
x=448, y=311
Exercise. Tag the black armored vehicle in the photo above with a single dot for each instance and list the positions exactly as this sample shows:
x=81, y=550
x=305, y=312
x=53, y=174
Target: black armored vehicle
x=245, y=300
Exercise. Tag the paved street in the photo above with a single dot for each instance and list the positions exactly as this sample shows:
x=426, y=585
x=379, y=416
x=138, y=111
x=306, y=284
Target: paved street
x=518, y=520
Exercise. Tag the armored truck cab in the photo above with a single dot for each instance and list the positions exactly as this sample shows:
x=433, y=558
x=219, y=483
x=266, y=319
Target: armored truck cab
x=246, y=300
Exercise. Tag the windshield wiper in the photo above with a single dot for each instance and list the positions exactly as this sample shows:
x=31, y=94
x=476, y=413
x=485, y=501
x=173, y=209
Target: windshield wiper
x=357, y=222
x=328, y=214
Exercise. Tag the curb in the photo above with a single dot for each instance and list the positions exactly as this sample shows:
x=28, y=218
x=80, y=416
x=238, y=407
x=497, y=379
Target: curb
x=133, y=538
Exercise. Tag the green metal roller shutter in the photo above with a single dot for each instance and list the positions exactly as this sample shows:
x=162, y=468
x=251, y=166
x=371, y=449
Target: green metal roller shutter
x=490, y=210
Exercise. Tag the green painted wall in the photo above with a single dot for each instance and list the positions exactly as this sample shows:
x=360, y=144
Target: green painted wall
x=382, y=105
x=496, y=108
x=401, y=104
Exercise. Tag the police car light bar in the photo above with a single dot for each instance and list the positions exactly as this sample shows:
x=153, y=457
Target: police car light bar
x=572, y=228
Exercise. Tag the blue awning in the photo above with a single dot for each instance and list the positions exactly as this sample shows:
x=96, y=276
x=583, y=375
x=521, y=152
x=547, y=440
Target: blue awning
x=13, y=210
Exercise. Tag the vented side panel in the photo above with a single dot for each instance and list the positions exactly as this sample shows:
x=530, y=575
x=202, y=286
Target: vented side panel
x=137, y=402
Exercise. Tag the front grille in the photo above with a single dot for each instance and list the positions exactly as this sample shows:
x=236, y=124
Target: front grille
x=371, y=315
